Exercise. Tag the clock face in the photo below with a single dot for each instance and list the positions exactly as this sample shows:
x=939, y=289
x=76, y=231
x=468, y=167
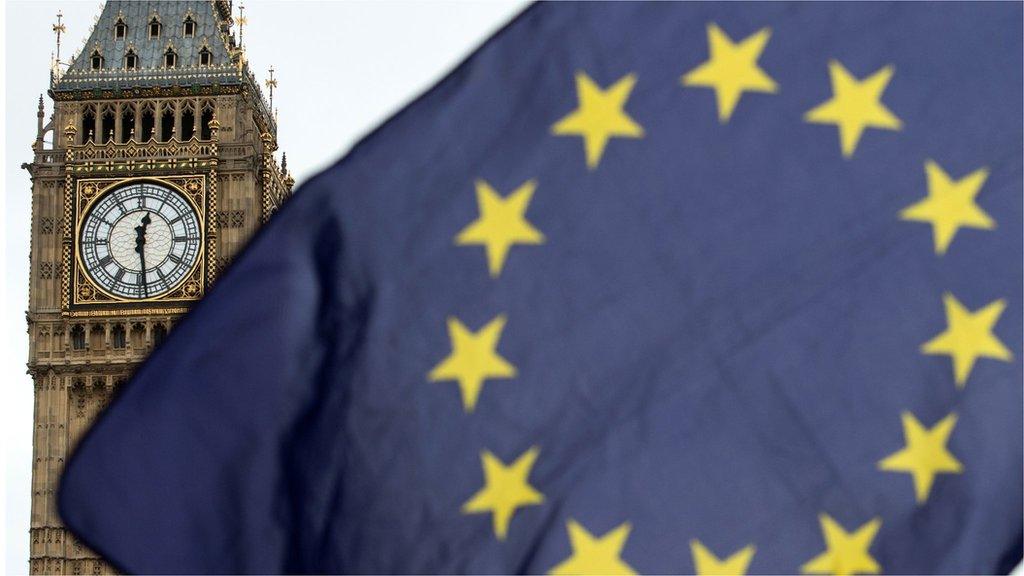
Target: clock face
x=140, y=241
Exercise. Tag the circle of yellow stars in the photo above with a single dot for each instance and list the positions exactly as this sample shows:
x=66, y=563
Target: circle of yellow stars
x=731, y=70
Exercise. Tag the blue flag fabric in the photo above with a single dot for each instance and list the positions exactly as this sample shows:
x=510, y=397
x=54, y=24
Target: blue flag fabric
x=652, y=288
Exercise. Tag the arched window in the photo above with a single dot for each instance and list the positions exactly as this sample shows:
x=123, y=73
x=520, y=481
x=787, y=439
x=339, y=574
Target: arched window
x=138, y=336
x=107, y=124
x=170, y=58
x=96, y=59
x=78, y=337
x=188, y=123
x=96, y=336
x=189, y=27
x=205, y=57
x=88, y=124
x=167, y=123
x=205, y=133
x=120, y=29
x=148, y=123
x=117, y=336
x=127, y=122
x=131, y=60
x=154, y=27
x=159, y=334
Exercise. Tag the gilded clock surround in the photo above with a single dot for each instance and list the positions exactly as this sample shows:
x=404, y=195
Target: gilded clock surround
x=85, y=292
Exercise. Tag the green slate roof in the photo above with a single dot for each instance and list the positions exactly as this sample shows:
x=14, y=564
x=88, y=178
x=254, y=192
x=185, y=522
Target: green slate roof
x=212, y=20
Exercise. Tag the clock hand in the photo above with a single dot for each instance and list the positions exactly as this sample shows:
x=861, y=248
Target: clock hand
x=140, y=248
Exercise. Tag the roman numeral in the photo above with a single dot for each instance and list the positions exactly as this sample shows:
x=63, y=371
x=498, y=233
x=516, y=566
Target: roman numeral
x=185, y=238
x=119, y=274
x=174, y=258
x=105, y=260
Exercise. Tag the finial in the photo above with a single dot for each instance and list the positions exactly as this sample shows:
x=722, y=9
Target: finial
x=214, y=128
x=40, y=114
x=131, y=133
x=271, y=84
x=284, y=162
x=268, y=141
x=59, y=29
x=69, y=133
x=241, y=23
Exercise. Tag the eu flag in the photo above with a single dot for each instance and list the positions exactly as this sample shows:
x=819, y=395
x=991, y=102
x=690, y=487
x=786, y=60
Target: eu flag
x=636, y=288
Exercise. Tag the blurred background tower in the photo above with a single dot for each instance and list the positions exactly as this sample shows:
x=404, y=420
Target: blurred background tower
x=155, y=167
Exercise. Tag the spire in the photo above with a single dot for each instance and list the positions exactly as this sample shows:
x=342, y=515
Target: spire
x=271, y=84
x=58, y=29
x=40, y=114
x=241, y=24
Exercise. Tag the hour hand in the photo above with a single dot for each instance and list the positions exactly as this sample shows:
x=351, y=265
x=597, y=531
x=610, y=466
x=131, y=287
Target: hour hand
x=140, y=234
x=142, y=273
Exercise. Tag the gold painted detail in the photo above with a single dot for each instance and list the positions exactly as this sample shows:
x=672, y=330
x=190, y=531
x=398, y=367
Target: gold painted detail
x=83, y=291
x=132, y=167
x=125, y=312
x=193, y=148
x=153, y=92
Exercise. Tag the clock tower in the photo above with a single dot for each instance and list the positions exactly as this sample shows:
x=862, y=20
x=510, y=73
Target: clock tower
x=161, y=167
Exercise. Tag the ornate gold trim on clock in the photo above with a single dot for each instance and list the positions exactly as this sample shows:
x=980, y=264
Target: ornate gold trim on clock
x=85, y=292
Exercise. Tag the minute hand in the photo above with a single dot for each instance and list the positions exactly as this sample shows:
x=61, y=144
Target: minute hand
x=140, y=248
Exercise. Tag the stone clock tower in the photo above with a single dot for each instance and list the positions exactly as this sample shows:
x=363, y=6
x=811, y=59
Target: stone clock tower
x=162, y=166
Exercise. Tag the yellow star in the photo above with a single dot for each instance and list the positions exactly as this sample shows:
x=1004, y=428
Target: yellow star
x=855, y=105
x=708, y=564
x=473, y=359
x=600, y=116
x=925, y=455
x=968, y=336
x=595, y=556
x=732, y=69
x=501, y=223
x=949, y=205
x=506, y=488
x=845, y=553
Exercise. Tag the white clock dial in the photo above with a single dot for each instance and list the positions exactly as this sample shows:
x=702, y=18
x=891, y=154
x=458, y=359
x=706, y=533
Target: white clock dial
x=140, y=241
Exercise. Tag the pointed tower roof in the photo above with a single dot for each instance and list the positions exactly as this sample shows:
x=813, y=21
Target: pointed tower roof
x=206, y=61
x=210, y=31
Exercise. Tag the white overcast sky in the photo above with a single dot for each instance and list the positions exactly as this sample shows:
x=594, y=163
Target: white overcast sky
x=364, y=60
